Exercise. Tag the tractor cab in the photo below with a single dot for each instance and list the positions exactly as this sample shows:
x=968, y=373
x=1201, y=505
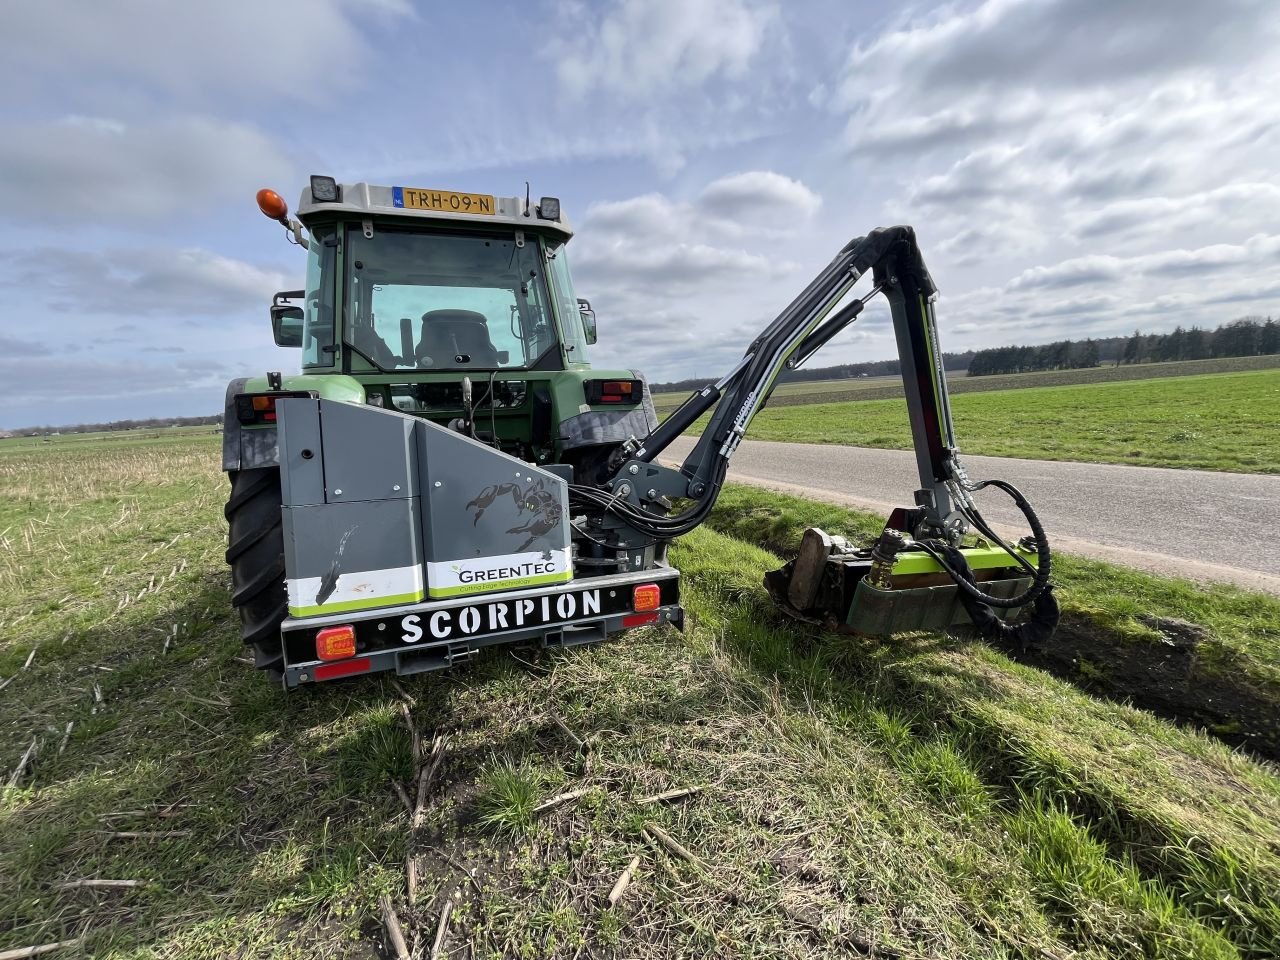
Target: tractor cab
x=455, y=307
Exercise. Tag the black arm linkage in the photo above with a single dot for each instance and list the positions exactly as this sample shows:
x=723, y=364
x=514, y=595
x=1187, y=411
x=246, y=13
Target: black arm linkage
x=795, y=334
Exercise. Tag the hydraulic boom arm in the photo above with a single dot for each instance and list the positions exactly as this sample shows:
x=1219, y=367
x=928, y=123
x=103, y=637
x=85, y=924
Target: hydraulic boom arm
x=633, y=503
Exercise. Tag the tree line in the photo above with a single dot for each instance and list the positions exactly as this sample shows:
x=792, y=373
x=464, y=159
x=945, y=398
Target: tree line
x=150, y=423
x=1246, y=337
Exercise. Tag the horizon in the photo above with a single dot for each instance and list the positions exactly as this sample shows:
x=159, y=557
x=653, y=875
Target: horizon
x=1073, y=171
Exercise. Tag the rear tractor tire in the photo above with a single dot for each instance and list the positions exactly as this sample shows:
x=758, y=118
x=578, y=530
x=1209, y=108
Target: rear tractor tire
x=255, y=551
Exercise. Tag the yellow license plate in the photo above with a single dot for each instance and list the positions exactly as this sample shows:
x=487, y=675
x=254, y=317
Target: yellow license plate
x=444, y=201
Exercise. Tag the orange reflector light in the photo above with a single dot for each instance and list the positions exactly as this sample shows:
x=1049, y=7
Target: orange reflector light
x=344, y=669
x=639, y=620
x=336, y=643
x=647, y=596
x=272, y=204
x=264, y=403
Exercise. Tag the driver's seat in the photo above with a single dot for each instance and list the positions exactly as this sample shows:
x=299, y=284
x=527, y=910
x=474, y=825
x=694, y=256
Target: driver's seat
x=450, y=333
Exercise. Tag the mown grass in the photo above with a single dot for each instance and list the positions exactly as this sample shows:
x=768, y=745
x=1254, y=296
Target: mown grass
x=921, y=798
x=1228, y=421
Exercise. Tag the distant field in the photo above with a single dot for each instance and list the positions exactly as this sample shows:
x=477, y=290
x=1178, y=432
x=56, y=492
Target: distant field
x=108, y=439
x=1225, y=421
x=880, y=388
x=926, y=797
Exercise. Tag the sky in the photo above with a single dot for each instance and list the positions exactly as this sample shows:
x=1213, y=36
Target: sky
x=1073, y=168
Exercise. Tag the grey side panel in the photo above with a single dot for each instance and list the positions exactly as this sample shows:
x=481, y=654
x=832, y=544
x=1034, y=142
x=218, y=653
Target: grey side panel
x=367, y=457
x=336, y=538
x=302, y=473
x=482, y=503
x=466, y=519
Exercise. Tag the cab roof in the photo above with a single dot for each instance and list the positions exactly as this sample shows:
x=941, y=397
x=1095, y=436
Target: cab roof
x=419, y=203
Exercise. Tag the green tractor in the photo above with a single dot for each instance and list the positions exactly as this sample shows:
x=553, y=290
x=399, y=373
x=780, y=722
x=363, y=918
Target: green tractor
x=449, y=473
x=455, y=308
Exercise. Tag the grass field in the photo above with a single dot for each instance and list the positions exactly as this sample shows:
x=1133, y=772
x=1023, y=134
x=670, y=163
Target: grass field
x=883, y=388
x=928, y=797
x=1225, y=421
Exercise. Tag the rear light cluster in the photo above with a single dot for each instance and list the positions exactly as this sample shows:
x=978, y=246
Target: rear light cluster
x=647, y=596
x=614, y=391
x=336, y=643
x=645, y=600
x=339, y=644
x=258, y=408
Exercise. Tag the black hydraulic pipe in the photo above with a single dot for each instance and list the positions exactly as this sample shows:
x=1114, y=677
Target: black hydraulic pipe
x=1035, y=630
x=830, y=327
x=676, y=424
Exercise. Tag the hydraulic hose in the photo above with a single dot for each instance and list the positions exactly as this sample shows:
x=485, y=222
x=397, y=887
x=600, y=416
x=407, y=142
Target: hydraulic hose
x=1041, y=572
x=1044, y=616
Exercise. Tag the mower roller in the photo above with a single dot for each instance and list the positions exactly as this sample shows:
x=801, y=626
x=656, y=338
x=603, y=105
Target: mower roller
x=448, y=472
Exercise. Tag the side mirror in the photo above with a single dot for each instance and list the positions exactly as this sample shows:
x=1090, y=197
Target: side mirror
x=286, y=319
x=588, y=319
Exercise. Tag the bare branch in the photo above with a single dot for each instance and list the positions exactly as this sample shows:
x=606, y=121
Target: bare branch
x=145, y=834
x=404, y=797
x=21, y=953
x=624, y=881
x=670, y=843
x=424, y=781
x=21, y=768
x=395, y=933
x=559, y=799
x=577, y=741
x=413, y=734
x=443, y=927
x=671, y=795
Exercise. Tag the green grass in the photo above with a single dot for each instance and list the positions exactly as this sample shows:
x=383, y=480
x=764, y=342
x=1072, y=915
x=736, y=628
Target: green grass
x=1227, y=421
x=880, y=388
x=926, y=797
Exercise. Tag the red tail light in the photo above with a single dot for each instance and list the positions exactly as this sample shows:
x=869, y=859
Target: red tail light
x=614, y=391
x=336, y=643
x=647, y=596
x=259, y=408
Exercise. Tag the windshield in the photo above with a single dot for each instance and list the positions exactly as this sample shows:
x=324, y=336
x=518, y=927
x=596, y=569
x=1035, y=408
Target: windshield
x=419, y=301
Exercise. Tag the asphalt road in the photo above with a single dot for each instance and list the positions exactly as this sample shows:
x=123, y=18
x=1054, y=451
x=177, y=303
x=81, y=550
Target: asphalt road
x=1189, y=523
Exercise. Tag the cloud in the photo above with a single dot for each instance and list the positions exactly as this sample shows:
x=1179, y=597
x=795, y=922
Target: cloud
x=1237, y=204
x=635, y=49
x=674, y=266
x=1019, y=44
x=757, y=202
x=1069, y=273
x=13, y=347
x=150, y=282
x=191, y=52
x=99, y=169
x=745, y=196
x=651, y=247
x=61, y=390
